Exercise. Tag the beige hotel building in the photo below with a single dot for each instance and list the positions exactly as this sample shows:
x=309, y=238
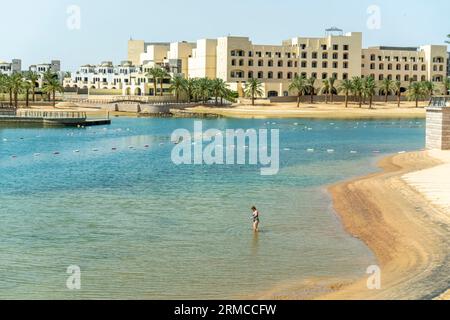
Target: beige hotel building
x=338, y=55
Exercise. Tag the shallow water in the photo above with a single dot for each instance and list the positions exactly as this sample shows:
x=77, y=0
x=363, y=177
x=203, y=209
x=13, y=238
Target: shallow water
x=140, y=227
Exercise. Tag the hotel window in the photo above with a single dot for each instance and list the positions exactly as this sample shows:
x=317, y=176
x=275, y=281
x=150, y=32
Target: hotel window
x=413, y=59
x=250, y=54
x=260, y=75
x=335, y=65
x=345, y=76
x=423, y=78
x=324, y=76
x=314, y=55
x=314, y=64
x=280, y=75
x=387, y=58
x=435, y=68
x=269, y=54
x=304, y=75
x=258, y=54
x=314, y=75
x=280, y=63
x=250, y=63
x=304, y=64
x=372, y=57
x=346, y=47
x=289, y=64
x=270, y=64
x=260, y=63
x=324, y=64
x=390, y=66
x=398, y=77
x=296, y=64
x=420, y=59
x=241, y=62
x=303, y=46
x=335, y=76
x=415, y=67
x=233, y=53
x=380, y=77
x=250, y=75
x=270, y=75
x=325, y=55
x=441, y=68
x=324, y=47
x=288, y=55
x=335, y=56
x=424, y=67
x=304, y=55
x=233, y=62
x=407, y=67
x=289, y=75
x=345, y=57
x=398, y=67
x=396, y=59
x=389, y=76
x=335, y=47
x=405, y=59
x=381, y=66
x=415, y=77
x=380, y=58
x=406, y=78
x=372, y=66
x=345, y=65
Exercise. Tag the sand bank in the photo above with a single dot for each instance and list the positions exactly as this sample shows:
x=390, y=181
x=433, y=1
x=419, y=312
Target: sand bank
x=407, y=231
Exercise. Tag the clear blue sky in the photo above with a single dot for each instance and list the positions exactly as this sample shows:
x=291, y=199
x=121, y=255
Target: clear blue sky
x=36, y=31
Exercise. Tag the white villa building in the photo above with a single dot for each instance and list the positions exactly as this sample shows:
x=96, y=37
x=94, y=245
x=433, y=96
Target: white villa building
x=237, y=59
x=9, y=68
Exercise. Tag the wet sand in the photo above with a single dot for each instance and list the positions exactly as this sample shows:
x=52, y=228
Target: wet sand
x=406, y=230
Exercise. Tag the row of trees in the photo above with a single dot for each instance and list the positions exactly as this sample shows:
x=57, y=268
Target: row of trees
x=199, y=89
x=26, y=83
x=361, y=89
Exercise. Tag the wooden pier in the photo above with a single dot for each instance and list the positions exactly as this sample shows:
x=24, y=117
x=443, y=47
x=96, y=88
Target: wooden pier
x=51, y=118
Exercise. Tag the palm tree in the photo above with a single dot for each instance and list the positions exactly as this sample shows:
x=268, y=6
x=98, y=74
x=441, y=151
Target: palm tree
x=3, y=83
x=332, y=88
x=369, y=89
x=218, y=90
x=154, y=73
x=448, y=41
x=358, y=89
x=397, y=87
x=33, y=77
x=163, y=74
x=190, y=88
x=387, y=86
x=416, y=92
x=446, y=84
x=300, y=85
x=16, y=86
x=27, y=86
x=253, y=89
x=6, y=86
x=325, y=89
x=178, y=86
x=48, y=77
x=428, y=88
x=346, y=86
x=311, y=89
x=51, y=87
x=202, y=89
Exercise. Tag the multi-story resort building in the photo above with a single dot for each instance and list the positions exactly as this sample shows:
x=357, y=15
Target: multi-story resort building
x=236, y=60
x=15, y=66
x=9, y=68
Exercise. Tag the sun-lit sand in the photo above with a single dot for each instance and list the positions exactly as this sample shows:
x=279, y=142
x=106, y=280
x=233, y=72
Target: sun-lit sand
x=319, y=110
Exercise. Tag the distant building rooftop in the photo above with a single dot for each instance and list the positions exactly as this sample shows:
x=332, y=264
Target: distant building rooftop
x=388, y=48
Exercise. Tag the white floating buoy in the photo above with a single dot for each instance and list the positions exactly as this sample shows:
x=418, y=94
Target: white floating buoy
x=310, y=150
x=402, y=152
x=296, y=124
x=76, y=151
x=330, y=150
x=5, y=140
x=376, y=151
x=353, y=152
x=287, y=149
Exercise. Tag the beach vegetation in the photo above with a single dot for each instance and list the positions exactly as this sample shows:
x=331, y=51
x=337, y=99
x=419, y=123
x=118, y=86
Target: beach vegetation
x=300, y=86
x=253, y=89
x=346, y=87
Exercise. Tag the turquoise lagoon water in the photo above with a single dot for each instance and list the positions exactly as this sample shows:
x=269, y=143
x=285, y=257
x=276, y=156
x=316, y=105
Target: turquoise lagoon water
x=140, y=227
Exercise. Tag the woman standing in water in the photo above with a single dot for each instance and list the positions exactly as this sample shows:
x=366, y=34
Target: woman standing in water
x=255, y=219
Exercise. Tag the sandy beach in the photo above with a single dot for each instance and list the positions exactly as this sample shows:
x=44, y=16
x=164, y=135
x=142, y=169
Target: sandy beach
x=318, y=110
x=406, y=227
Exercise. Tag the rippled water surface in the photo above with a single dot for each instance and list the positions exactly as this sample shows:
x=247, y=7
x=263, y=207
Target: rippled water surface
x=139, y=226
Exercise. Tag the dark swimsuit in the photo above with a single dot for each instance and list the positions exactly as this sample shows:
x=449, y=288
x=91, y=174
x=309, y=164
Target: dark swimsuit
x=256, y=218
